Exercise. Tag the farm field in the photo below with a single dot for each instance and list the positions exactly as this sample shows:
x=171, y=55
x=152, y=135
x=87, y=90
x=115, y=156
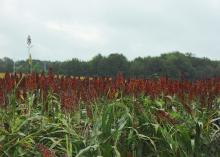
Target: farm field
x=49, y=115
x=2, y=75
x=127, y=78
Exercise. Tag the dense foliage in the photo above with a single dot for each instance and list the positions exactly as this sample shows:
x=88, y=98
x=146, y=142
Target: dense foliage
x=49, y=115
x=174, y=65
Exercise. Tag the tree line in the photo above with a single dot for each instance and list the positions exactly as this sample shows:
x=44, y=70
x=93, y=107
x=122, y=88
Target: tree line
x=175, y=65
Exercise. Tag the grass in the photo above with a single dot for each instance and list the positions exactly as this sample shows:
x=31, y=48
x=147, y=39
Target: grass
x=124, y=127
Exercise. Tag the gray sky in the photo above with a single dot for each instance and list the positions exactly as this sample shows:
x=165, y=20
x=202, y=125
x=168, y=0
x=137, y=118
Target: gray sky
x=65, y=29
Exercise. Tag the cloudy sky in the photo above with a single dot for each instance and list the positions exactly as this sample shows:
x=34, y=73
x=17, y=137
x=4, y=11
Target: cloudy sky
x=65, y=29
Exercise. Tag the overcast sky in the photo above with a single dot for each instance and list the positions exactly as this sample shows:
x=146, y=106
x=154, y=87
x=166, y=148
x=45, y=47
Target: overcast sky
x=65, y=29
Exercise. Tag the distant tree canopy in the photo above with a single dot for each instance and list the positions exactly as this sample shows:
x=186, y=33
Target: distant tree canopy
x=174, y=65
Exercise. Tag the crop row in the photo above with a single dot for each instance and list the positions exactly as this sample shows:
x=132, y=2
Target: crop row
x=71, y=90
